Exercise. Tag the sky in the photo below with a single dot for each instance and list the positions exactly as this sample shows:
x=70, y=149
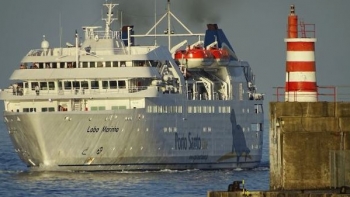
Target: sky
x=255, y=28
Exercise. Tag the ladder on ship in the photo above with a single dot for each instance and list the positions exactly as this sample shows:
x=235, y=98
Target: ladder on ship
x=76, y=105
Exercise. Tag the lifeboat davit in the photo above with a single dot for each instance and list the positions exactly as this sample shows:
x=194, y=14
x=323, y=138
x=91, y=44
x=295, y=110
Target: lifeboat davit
x=221, y=56
x=194, y=57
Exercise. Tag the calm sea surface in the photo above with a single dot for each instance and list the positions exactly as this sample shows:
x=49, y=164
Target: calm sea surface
x=16, y=180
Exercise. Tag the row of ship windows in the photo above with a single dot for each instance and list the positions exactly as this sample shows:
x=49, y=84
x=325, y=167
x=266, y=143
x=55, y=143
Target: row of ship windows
x=134, y=63
x=199, y=109
x=60, y=108
x=68, y=85
x=157, y=109
x=253, y=127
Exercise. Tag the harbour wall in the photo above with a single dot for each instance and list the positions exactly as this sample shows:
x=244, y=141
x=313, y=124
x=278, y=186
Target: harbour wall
x=309, y=151
x=309, y=145
x=276, y=194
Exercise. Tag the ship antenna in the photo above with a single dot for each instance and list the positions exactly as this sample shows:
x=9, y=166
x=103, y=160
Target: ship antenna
x=60, y=30
x=109, y=20
x=155, y=21
x=76, y=49
x=169, y=13
x=168, y=32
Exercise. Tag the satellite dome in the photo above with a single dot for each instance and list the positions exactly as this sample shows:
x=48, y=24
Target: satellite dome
x=45, y=44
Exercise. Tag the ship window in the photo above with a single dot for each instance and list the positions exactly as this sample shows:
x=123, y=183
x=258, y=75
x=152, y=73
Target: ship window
x=76, y=84
x=98, y=108
x=29, y=109
x=113, y=84
x=105, y=84
x=108, y=64
x=84, y=84
x=99, y=64
x=92, y=65
x=174, y=109
x=94, y=108
x=118, y=107
x=153, y=63
x=85, y=64
x=115, y=64
x=34, y=84
x=47, y=109
x=258, y=108
x=189, y=109
x=139, y=63
x=67, y=85
x=240, y=87
x=51, y=85
x=95, y=85
x=121, y=84
x=169, y=109
x=60, y=85
x=180, y=109
x=54, y=65
x=205, y=109
x=122, y=64
x=256, y=126
x=62, y=65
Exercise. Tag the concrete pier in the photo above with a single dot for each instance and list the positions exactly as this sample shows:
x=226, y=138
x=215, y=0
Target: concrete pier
x=277, y=194
x=309, y=145
x=309, y=151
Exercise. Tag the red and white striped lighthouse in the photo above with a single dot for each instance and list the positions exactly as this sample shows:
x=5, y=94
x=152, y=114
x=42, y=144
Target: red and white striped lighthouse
x=300, y=63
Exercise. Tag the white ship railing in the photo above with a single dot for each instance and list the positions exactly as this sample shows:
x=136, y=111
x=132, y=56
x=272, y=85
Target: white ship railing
x=30, y=92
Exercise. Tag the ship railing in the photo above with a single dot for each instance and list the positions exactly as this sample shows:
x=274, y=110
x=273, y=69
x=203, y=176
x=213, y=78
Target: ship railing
x=104, y=51
x=324, y=93
x=76, y=91
x=204, y=96
x=105, y=35
x=72, y=52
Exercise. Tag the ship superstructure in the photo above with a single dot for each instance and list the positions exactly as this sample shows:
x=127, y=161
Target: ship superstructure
x=107, y=104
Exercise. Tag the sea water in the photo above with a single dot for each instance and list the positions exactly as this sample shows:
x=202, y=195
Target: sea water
x=17, y=180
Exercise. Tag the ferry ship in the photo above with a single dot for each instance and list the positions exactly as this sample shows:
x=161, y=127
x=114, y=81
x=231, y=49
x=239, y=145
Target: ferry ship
x=105, y=103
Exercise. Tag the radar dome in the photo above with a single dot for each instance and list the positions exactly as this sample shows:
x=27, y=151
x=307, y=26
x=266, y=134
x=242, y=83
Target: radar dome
x=45, y=44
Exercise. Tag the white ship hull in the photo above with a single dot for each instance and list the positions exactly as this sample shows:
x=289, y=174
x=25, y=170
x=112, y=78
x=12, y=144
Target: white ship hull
x=136, y=140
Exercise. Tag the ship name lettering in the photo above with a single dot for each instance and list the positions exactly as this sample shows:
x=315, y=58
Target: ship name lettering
x=92, y=129
x=110, y=129
x=195, y=142
x=180, y=142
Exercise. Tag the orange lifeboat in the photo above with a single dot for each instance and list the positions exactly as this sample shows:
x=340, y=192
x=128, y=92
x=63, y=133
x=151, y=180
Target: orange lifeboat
x=221, y=56
x=194, y=57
